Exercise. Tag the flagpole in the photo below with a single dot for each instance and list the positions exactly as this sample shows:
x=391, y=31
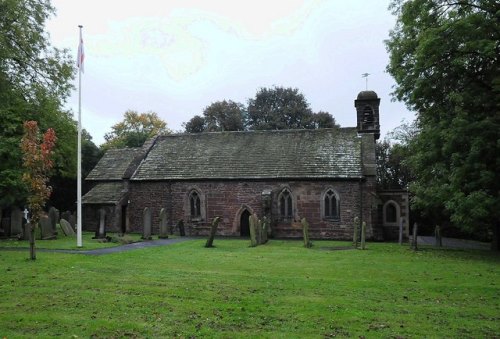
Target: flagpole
x=79, y=159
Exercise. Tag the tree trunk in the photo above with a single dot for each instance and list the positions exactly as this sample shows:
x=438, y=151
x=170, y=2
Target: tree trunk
x=32, y=242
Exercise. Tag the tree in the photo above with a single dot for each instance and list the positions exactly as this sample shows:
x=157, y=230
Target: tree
x=195, y=125
x=391, y=153
x=323, y=120
x=224, y=116
x=219, y=116
x=134, y=130
x=444, y=56
x=35, y=80
x=279, y=108
x=37, y=163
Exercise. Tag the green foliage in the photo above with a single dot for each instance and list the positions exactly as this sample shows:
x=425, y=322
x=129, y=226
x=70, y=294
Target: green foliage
x=195, y=125
x=274, y=291
x=444, y=57
x=272, y=108
x=35, y=80
x=134, y=130
x=392, y=153
x=278, y=108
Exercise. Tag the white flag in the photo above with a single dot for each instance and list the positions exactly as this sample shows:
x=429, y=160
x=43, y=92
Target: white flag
x=81, y=54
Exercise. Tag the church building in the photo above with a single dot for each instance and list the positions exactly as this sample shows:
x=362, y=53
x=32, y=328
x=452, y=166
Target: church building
x=327, y=176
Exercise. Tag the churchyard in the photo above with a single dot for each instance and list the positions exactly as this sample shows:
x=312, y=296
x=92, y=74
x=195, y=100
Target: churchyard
x=277, y=290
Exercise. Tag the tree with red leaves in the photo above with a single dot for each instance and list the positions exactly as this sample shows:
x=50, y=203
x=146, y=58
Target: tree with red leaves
x=37, y=163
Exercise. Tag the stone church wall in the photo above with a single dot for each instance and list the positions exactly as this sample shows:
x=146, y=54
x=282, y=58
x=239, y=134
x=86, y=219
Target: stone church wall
x=228, y=199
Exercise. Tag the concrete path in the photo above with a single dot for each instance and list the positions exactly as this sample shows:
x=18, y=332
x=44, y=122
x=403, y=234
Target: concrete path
x=455, y=243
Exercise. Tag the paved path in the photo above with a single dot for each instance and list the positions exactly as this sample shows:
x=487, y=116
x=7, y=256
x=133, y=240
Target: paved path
x=108, y=250
x=455, y=243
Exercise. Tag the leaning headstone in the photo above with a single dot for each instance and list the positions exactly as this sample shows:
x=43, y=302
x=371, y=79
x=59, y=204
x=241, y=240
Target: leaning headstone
x=66, y=228
x=163, y=225
x=213, y=231
x=46, y=228
x=66, y=215
x=100, y=232
x=16, y=222
x=363, y=235
x=54, y=218
x=356, y=231
x=253, y=230
x=72, y=220
x=305, y=230
x=146, y=225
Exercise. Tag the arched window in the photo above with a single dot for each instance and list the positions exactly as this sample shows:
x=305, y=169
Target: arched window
x=195, y=205
x=392, y=213
x=331, y=203
x=367, y=115
x=285, y=204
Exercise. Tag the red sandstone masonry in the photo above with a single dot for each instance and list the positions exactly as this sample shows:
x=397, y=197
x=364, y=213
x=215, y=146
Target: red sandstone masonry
x=228, y=199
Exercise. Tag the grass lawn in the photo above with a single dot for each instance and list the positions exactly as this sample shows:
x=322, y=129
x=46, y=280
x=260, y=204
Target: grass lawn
x=279, y=290
x=69, y=243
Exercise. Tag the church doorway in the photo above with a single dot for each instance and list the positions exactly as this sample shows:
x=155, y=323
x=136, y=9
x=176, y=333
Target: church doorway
x=245, y=224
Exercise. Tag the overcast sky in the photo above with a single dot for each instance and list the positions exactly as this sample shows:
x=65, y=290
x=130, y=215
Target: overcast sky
x=177, y=57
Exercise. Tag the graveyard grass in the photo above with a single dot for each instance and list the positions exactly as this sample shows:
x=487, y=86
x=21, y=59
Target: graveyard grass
x=69, y=243
x=277, y=290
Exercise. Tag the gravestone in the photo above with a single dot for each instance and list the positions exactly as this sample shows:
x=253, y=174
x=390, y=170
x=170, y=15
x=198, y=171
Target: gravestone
x=72, y=220
x=253, y=221
x=213, y=231
x=100, y=232
x=163, y=225
x=66, y=228
x=146, y=225
x=66, y=215
x=16, y=222
x=305, y=230
x=54, y=218
x=356, y=231
x=46, y=228
x=265, y=227
x=180, y=225
x=363, y=235
x=414, y=240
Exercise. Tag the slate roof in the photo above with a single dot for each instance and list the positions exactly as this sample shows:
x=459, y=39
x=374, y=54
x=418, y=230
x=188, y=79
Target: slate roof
x=105, y=193
x=313, y=154
x=113, y=164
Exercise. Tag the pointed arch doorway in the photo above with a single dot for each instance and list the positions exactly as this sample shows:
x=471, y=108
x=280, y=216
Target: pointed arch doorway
x=245, y=224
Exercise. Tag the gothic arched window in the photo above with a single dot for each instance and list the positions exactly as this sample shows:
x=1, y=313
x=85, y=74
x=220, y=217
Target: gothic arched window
x=195, y=205
x=330, y=204
x=285, y=204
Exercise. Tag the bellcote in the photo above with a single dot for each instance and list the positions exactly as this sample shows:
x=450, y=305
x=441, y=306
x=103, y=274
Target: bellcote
x=367, y=109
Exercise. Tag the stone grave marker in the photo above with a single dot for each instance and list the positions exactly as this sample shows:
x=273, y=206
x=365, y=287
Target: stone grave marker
x=146, y=225
x=54, y=218
x=46, y=228
x=66, y=215
x=72, y=220
x=66, y=228
x=180, y=225
x=163, y=225
x=100, y=232
x=16, y=222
